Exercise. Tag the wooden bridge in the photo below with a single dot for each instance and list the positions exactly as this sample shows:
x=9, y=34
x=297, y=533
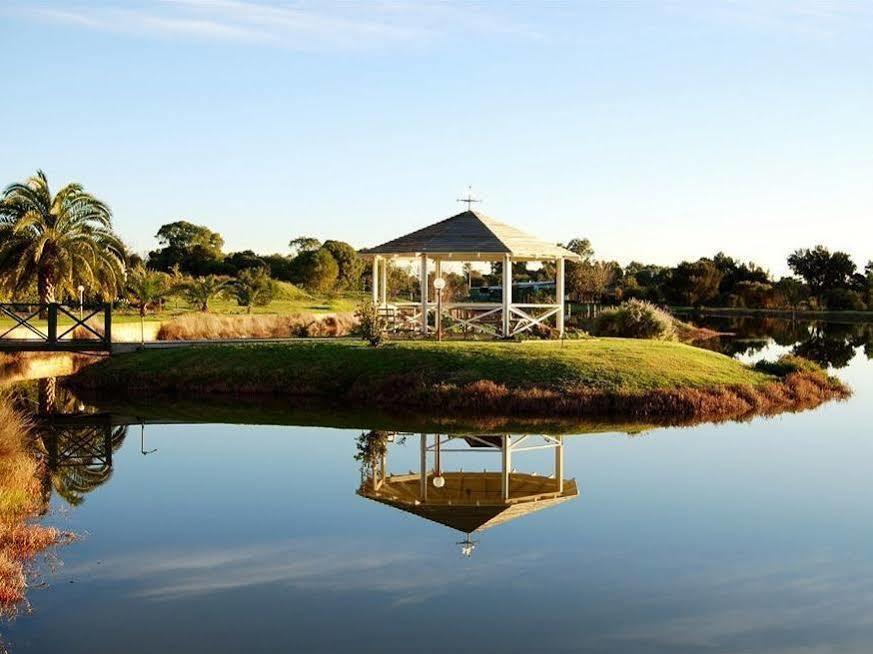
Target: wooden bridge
x=54, y=327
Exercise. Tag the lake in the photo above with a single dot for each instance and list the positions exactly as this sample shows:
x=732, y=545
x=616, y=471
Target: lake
x=737, y=537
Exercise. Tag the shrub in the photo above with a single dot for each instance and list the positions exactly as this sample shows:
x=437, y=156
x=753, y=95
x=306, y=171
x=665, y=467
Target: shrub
x=787, y=364
x=371, y=325
x=636, y=319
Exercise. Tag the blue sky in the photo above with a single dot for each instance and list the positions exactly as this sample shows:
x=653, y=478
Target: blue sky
x=660, y=130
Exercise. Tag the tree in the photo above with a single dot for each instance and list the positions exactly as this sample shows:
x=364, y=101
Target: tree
x=821, y=269
x=582, y=247
x=194, y=248
x=792, y=291
x=591, y=279
x=253, y=287
x=201, y=290
x=695, y=282
x=316, y=270
x=239, y=261
x=350, y=264
x=144, y=289
x=59, y=241
x=303, y=244
x=183, y=235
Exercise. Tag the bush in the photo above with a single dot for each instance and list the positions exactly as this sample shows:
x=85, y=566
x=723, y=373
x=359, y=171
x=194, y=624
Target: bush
x=787, y=364
x=636, y=319
x=370, y=324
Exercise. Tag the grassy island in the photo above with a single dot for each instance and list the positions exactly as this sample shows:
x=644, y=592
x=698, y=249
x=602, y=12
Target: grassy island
x=624, y=377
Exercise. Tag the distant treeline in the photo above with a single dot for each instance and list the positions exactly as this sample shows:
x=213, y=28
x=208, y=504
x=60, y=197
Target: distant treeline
x=54, y=246
x=822, y=279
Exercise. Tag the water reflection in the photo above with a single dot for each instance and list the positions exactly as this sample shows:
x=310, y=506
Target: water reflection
x=829, y=344
x=464, y=500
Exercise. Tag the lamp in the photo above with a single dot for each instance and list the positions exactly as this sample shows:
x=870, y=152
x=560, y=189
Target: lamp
x=81, y=300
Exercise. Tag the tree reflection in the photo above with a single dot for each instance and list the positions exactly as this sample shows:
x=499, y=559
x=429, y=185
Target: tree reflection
x=827, y=343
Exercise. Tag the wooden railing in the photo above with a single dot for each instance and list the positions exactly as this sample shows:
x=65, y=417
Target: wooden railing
x=54, y=327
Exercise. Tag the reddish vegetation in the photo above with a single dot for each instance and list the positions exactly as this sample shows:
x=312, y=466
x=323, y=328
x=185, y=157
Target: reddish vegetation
x=20, y=500
x=795, y=392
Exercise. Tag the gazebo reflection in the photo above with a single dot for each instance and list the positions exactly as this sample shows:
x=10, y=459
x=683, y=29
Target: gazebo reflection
x=467, y=501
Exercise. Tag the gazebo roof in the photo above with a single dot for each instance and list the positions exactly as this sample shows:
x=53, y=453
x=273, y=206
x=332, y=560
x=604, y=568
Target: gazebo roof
x=469, y=501
x=471, y=232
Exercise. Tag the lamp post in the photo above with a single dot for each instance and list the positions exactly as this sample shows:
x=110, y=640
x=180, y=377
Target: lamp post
x=81, y=301
x=439, y=284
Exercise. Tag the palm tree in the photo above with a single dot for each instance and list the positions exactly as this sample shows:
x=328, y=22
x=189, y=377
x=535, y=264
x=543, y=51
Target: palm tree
x=253, y=286
x=60, y=241
x=200, y=290
x=145, y=288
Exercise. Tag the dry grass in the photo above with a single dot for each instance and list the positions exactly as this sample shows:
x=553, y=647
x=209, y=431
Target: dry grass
x=20, y=499
x=195, y=327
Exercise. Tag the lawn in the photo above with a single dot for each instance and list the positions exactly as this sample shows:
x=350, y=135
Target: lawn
x=609, y=364
x=538, y=378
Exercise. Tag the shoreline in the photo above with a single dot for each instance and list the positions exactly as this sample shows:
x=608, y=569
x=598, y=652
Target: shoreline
x=669, y=383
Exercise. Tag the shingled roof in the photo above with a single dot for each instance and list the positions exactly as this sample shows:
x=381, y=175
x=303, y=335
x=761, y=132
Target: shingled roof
x=471, y=232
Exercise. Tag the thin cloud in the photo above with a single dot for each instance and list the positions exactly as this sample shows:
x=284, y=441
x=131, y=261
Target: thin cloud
x=307, y=27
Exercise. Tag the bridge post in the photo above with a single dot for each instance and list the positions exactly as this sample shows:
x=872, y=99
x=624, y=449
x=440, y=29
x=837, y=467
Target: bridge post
x=53, y=323
x=107, y=324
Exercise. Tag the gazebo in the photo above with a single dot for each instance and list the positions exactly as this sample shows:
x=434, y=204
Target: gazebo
x=470, y=501
x=469, y=237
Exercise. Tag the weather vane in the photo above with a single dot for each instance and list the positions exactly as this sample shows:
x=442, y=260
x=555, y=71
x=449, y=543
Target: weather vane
x=469, y=199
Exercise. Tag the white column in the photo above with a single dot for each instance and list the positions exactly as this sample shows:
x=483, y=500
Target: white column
x=383, y=283
x=438, y=272
x=375, y=283
x=559, y=295
x=507, y=467
x=559, y=464
x=507, y=292
x=423, y=282
x=423, y=473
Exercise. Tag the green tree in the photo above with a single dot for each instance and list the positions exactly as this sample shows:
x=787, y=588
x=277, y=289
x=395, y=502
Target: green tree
x=316, y=270
x=792, y=292
x=303, y=244
x=821, y=269
x=695, y=282
x=582, y=247
x=350, y=264
x=200, y=291
x=146, y=288
x=194, y=248
x=59, y=241
x=253, y=287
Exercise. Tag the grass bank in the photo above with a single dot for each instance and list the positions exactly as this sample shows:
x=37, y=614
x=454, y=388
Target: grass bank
x=630, y=378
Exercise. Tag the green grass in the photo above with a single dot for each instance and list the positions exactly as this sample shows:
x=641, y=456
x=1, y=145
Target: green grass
x=334, y=365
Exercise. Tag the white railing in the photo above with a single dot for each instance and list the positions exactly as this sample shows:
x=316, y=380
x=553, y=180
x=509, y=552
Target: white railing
x=482, y=317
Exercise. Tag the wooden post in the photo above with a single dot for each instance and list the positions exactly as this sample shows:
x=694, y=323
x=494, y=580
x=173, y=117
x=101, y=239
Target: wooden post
x=559, y=296
x=375, y=283
x=423, y=282
x=507, y=293
x=107, y=324
x=53, y=323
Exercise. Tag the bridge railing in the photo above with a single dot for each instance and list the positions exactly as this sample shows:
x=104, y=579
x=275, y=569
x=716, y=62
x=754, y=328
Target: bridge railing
x=54, y=326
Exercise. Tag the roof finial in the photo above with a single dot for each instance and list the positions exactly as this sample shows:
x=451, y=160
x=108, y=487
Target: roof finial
x=469, y=199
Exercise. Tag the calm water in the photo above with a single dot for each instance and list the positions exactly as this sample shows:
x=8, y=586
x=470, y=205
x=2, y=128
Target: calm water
x=751, y=537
